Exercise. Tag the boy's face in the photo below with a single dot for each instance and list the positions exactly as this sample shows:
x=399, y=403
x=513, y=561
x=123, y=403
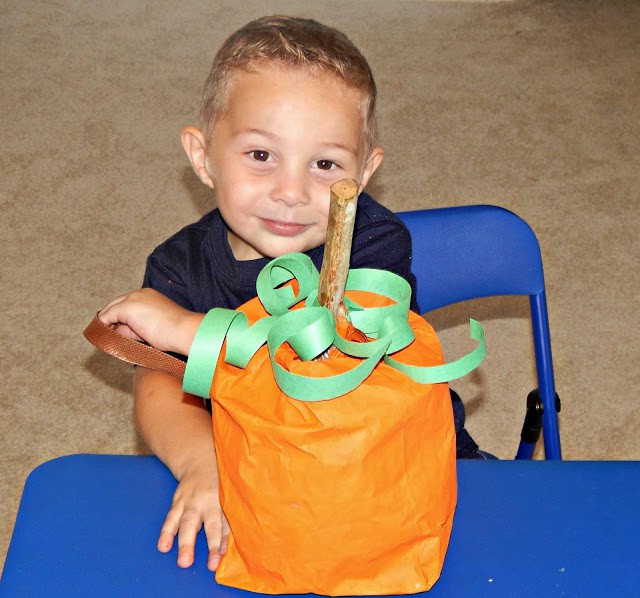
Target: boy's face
x=286, y=137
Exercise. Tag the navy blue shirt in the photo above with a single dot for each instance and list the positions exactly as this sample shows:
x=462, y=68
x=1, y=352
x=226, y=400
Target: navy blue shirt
x=196, y=267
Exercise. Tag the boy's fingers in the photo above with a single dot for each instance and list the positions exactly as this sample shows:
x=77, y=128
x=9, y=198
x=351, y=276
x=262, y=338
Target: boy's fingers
x=217, y=532
x=225, y=535
x=189, y=528
x=109, y=314
x=185, y=556
x=112, y=303
x=214, y=560
x=213, y=529
x=124, y=330
x=165, y=541
x=169, y=530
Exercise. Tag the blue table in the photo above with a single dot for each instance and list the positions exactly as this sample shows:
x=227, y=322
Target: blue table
x=88, y=526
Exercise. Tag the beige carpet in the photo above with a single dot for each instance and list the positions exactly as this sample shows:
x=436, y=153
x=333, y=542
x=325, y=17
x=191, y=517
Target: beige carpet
x=533, y=106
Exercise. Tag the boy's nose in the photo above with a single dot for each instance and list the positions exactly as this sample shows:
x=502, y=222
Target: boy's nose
x=291, y=187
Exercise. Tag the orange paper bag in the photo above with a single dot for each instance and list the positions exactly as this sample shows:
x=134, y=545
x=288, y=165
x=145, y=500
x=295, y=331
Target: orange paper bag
x=337, y=476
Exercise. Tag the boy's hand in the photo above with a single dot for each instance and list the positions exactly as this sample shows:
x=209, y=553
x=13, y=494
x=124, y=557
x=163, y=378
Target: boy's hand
x=195, y=503
x=146, y=315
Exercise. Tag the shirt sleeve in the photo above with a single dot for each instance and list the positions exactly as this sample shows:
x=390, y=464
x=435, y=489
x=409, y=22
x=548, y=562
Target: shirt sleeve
x=165, y=276
x=174, y=267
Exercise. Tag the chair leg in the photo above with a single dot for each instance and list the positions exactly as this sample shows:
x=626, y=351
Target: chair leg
x=531, y=427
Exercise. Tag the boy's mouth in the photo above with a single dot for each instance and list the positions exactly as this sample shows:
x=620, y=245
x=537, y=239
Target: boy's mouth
x=283, y=229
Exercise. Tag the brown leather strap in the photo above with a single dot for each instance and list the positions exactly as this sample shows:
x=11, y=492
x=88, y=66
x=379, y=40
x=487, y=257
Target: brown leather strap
x=126, y=349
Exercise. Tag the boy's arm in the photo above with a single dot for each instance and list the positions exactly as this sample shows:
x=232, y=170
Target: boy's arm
x=177, y=428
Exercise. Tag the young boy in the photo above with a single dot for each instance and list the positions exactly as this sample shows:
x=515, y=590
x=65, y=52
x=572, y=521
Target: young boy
x=287, y=110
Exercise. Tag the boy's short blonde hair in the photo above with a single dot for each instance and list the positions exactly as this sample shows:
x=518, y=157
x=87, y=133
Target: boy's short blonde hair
x=290, y=42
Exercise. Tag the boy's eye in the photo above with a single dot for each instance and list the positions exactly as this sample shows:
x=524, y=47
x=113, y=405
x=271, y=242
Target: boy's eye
x=325, y=165
x=260, y=155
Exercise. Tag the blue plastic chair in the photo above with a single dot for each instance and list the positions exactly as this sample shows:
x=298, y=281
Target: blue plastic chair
x=468, y=252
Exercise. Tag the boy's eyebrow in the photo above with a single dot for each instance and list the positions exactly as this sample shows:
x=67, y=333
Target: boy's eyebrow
x=327, y=144
x=342, y=146
x=261, y=132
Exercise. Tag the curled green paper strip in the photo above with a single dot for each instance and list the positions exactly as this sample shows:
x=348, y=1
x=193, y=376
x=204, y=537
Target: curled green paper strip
x=311, y=330
x=277, y=299
x=205, y=349
x=447, y=371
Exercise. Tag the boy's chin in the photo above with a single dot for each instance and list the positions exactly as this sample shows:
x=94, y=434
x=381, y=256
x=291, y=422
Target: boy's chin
x=293, y=248
x=281, y=246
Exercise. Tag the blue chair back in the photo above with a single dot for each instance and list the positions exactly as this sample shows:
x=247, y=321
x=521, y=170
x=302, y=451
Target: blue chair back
x=468, y=252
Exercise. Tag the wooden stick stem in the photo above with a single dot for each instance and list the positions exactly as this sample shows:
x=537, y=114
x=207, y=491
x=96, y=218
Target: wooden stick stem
x=337, y=250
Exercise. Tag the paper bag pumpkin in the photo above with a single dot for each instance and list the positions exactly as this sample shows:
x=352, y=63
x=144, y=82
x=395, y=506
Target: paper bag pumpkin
x=337, y=475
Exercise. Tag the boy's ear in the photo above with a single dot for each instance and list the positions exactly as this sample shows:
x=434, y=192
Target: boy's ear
x=195, y=146
x=371, y=165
